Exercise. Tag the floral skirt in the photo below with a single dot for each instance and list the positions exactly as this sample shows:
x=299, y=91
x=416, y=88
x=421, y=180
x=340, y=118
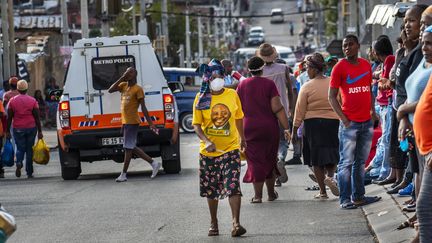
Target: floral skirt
x=220, y=176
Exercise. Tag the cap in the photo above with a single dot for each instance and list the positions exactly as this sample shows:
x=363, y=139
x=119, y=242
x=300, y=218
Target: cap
x=22, y=85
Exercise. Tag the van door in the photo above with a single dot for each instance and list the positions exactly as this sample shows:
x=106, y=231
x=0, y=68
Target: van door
x=105, y=65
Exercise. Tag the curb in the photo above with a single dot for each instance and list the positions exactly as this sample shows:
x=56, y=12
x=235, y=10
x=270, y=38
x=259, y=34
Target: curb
x=385, y=216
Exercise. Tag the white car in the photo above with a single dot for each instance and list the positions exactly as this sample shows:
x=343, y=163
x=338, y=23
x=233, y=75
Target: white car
x=287, y=54
x=277, y=16
x=256, y=30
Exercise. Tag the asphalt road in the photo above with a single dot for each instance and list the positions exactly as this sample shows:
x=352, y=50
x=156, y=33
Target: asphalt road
x=278, y=33
x=166, y=209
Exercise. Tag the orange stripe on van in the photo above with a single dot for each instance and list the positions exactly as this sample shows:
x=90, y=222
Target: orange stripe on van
x=110, y=121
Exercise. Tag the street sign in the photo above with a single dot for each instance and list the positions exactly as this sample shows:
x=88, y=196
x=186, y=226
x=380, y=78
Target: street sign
x=335, y=48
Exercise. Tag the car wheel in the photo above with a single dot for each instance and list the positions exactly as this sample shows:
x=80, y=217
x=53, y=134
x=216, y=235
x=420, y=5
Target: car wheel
x=186, y=123
x=171, y=158
x=70, y=164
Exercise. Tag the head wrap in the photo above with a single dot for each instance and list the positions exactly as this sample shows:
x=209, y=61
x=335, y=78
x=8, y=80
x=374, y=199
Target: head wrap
x=315, y=61
x=207, y=71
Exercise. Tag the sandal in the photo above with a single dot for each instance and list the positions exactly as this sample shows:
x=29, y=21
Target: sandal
x=407, y=223
x=256, y=200
x=321, y=196
x=274, y=197
x=213, y=230
x=367, y=200
x=331, y=183
x=238, y=231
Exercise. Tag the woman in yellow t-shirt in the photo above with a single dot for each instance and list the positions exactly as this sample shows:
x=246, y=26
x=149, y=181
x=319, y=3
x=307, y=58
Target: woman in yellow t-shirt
x=218, y=122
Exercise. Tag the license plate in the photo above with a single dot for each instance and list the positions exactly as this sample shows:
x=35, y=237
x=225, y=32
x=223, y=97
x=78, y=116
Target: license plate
x=112, y=141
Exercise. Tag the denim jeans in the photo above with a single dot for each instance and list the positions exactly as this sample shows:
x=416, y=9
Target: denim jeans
x=424, y=204
x=283, y=149
x=380, y=163
x=354, y=146
x=24, y=140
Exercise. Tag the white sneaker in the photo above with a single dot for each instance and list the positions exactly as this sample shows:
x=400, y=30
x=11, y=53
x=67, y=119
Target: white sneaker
x=156, y=166
x=122, y=178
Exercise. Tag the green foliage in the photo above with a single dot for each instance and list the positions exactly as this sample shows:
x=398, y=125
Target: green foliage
x=331, y=16
x=95, y=33
x=218, y=53
x=122, y=25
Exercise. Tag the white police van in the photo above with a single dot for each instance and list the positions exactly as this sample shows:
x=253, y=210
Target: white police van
x=89, y=119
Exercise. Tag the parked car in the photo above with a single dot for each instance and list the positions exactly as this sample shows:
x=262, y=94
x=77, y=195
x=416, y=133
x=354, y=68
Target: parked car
x=256, y=30
x=277, y=16
x=184, y=83
x=89, y=117
x=287, y=54
x=255, y=39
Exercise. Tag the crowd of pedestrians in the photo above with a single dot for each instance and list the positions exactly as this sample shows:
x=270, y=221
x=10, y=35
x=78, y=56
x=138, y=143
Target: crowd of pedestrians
x=341, y=105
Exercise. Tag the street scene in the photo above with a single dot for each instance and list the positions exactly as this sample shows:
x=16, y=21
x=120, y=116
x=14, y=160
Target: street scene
x=216, y=121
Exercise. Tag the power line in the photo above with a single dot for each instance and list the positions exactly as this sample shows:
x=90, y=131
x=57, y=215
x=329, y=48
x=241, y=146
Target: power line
x=239, y=16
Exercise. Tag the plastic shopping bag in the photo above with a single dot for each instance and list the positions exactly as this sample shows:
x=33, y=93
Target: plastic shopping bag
x=41, y=153
x=7, y=155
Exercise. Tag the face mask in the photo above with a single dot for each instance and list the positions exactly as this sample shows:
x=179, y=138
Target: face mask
x=217, y=84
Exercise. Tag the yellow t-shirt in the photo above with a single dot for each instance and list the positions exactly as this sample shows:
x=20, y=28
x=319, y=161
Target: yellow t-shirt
x=218, y=122
x=130, y=101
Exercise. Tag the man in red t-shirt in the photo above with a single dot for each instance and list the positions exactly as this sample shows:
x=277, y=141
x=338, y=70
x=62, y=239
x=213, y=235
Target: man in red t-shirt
x=352, y=77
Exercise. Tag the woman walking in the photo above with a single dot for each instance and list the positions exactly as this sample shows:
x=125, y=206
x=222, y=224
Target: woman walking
x=263, y=108
x=218, y=122
x=23, y=116
x=321, y=125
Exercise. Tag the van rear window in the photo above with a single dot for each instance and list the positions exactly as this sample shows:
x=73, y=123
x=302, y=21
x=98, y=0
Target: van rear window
x=107, y=70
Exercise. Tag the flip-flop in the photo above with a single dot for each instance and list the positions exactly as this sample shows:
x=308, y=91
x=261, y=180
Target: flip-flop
x=213, y=230
x=367, y=200
x=238, y=231
x=313, y=178
x=331, y=183
x=312, y=188
x=256, y=200
x=348, y=205
x=276, y=196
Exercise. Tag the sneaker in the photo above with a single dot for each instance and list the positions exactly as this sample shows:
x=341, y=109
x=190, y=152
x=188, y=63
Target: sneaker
x=282, y=171
x=30, y=176
x=122, y=177
x=294, y=161
x=156, y=166
x=18, y=171
x=407, y=191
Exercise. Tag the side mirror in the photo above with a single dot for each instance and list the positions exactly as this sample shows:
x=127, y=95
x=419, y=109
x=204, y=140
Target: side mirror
x=56, y=94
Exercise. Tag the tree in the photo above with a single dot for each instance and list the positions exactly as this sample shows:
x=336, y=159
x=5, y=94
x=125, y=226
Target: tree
x=122, y=25
x=330, y=16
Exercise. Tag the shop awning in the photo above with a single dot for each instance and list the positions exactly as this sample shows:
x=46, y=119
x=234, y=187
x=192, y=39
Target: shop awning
x=386, y=14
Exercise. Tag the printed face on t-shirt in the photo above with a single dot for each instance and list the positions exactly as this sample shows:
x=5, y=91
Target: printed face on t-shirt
x=220, y=115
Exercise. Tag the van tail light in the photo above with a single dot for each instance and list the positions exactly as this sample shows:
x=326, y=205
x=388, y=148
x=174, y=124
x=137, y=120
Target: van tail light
x=168, y=102
x=64, y=114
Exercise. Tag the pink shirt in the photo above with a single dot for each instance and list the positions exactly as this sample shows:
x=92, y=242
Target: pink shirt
x=22, y=107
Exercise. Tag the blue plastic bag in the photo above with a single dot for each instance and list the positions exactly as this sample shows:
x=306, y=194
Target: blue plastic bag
x=7, y=155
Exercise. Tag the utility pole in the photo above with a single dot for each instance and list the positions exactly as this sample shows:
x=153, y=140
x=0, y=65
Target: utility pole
x=134, y=27
x=142, y=26
x=200, y=41
x=65, y=27
x=84, y=19
x=12, y=51
x=353, y=17
x=105, y=24
x=188, y=44
x=165, y=30
x=216, y=31
x=181, y=55
x=5, y=30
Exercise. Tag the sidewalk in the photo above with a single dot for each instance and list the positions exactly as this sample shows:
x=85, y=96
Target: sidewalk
x=386, y=215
